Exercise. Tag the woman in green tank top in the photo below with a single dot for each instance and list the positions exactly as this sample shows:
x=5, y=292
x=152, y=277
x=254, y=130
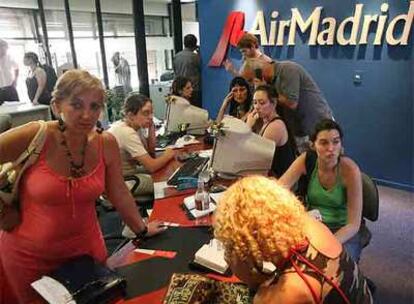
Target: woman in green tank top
x=334, y=187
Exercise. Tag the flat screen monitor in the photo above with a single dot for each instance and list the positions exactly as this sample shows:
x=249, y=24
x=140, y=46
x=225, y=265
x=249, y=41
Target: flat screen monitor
x=180, y=111
x=241, y=151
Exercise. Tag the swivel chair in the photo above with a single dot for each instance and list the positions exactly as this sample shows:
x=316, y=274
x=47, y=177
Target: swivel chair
x=144, y=202
x=370, y=207
x=370, y=211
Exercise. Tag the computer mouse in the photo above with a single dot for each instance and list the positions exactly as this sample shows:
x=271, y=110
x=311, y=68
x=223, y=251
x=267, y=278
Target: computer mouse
x=217, y=188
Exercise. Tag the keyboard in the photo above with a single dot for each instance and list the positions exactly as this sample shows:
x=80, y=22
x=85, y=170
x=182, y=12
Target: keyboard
x=191, y=168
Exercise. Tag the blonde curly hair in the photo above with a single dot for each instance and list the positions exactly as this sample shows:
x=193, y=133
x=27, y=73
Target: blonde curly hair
x=258, y=218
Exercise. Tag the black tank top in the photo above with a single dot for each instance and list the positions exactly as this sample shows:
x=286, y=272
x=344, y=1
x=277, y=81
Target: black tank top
x=44, y=98
x=284, y=155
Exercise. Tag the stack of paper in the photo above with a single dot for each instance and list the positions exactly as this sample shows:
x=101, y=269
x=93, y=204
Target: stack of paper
x=212, y=256
x=189, y=203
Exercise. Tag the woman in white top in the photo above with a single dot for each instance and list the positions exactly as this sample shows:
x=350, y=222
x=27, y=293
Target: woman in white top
x=135, y=135
x=182, y=87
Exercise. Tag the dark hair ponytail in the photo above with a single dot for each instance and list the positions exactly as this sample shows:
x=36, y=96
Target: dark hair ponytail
x=32, y=56
x=133, y=103
x=326, y=124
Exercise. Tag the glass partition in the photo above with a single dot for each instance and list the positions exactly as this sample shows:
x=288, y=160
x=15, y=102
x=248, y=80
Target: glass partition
x=18, y=28
x=57, y=31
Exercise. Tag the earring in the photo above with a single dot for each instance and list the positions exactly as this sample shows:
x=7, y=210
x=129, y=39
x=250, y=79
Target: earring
x=99, y=127
x=61, y=126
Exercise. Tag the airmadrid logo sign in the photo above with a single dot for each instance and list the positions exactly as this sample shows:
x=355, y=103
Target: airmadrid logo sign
x=322, y=31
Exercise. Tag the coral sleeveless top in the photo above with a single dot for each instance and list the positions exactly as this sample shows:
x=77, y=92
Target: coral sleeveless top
x=58, y=212
x=59, y=222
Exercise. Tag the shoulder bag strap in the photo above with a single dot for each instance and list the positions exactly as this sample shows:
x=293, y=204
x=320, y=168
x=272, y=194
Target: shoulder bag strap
x=38, y=140
x=31, y=154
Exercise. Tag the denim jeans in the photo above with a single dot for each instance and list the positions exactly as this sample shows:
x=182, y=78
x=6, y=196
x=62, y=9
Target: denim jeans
x=352, y=246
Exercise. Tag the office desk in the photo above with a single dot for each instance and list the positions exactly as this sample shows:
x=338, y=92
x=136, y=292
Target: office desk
x=22, y=113
x=166, y=210
x=163, y=174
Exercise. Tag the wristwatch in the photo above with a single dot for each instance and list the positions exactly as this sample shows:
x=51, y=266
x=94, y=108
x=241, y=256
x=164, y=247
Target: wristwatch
x=142, y=234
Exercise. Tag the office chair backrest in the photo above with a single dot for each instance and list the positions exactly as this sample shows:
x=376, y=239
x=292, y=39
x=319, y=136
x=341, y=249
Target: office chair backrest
x=370, y=198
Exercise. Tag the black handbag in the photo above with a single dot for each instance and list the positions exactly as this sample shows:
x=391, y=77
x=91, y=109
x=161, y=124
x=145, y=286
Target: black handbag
x=86, y=281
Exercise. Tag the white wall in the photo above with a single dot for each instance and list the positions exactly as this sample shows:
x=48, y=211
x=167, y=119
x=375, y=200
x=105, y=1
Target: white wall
x=188, y=12
x=191, y=28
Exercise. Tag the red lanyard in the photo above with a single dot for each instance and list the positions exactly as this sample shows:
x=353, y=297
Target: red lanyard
x=317, y=270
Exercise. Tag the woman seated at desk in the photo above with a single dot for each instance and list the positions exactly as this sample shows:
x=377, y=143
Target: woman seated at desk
x=136, y=147
x=57, y=193
x=258, y=220
x=181, y=87
x=238, y=100
x=334, y=185
x=273, y=127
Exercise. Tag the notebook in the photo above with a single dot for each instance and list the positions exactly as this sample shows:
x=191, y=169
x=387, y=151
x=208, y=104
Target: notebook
x=212, y=256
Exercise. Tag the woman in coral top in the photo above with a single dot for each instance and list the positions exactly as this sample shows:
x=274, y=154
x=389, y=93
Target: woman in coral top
x=57, y=193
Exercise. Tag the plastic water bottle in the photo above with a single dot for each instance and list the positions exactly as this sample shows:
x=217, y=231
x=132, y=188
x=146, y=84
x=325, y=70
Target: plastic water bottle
x=205, y=177
x=200, y=195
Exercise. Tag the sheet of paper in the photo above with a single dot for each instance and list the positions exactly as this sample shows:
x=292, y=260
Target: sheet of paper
x=170, y=224
x=190, y=203
x=212, y=256
x=159, y=189
x=159, y=253
x=200, y=213
x=52, y=291
x=205, y=153
x=181, y=142
x=216, y=196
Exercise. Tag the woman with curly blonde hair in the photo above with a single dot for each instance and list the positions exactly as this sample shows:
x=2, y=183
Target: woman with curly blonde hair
x=259, y=221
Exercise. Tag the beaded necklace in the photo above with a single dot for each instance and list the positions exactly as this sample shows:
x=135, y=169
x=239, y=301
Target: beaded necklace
x=76, y=170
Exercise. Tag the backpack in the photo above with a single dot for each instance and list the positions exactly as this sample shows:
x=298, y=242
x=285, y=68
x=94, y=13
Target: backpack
x=51, y=77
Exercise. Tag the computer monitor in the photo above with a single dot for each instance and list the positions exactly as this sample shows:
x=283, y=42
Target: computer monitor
x=180, y=111
x=240, y=151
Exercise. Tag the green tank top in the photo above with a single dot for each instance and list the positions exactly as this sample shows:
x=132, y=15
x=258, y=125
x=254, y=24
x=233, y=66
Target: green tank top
x=330, y=203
